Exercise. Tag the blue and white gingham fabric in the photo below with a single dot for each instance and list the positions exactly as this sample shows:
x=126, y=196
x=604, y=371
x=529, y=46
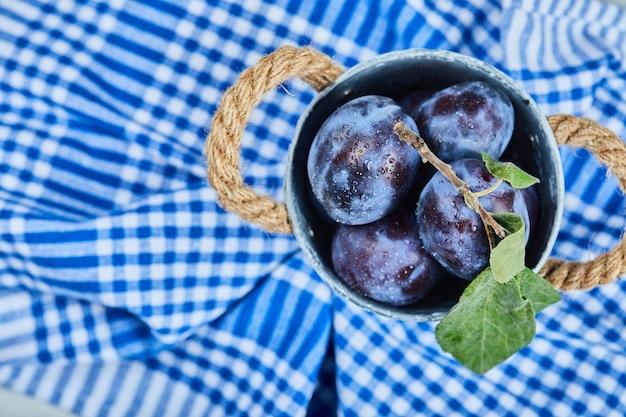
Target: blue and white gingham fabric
x=125, y=290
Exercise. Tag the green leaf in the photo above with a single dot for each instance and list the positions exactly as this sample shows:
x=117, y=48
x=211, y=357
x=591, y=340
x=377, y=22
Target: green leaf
x=537, y=290
x=490, y=323
x=509, y=172
x=510, y=221
x=508, y=257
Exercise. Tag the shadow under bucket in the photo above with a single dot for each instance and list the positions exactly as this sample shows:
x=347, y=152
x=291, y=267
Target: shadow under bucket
x=395, y=74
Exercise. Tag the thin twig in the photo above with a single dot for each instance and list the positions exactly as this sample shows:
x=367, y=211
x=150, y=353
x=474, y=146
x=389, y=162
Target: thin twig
x=410, y=137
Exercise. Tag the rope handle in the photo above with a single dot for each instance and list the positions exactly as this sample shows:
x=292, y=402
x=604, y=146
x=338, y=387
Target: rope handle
x=222, y=148
x=580, y=132
x=223, y=142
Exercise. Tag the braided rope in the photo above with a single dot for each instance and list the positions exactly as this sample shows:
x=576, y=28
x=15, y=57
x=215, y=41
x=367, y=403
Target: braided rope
x=611, y=151
x=223, y=142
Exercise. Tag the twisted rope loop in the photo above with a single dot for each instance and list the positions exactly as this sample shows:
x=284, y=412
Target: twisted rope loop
x=222, y=145
x=317, y=69
x=610, y=150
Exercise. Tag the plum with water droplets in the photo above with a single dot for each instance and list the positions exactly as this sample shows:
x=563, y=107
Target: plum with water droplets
x=385, y=260
x=359, y=170
x=453, y=233
x=466, y=119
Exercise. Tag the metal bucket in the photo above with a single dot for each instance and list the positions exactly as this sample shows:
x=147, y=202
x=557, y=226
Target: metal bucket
x=395, y=74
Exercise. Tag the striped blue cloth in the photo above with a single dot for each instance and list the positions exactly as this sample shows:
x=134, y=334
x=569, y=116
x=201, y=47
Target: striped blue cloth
x=125, y=290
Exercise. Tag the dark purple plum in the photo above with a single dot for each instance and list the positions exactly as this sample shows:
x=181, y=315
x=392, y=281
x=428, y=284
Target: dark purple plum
x=385, y=260
x=464, y=120
x=358, y=168
x=454, y=234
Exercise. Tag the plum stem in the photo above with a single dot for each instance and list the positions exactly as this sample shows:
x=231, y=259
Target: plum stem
x=471, y=199
x=490, y=189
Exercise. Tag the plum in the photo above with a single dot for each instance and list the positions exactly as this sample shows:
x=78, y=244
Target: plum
x=359, y=170
x=453, y=233
x=385, y=260
x=464, y=120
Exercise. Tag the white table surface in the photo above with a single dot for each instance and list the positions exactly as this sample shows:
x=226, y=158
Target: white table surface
x=17, y=405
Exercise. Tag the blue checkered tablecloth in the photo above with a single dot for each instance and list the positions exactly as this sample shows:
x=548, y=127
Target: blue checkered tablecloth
x=125, y=290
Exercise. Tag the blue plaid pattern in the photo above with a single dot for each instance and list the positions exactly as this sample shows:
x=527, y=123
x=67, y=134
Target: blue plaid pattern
x=126, y=290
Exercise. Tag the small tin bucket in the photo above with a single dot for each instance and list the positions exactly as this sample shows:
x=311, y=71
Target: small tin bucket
x=395, y=74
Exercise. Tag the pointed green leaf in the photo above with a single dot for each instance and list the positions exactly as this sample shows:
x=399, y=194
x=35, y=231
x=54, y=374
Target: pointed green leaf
x=490, y=323
x=537, y=290
x=510, y=221
x=507, y=258
x=509, y=172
